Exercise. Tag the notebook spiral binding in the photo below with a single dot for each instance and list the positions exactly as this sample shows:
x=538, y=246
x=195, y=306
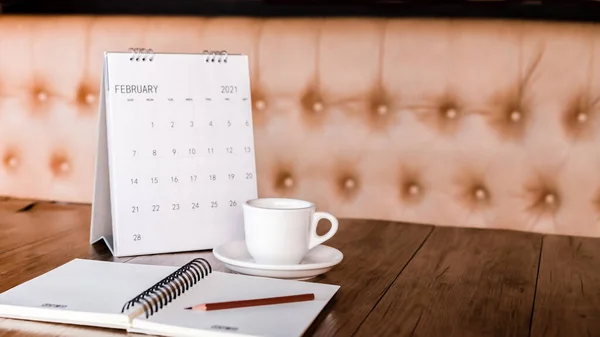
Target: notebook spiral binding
x=167, y=289
x=144, y=54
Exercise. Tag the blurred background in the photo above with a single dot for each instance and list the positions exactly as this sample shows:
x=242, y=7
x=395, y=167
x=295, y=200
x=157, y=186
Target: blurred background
x=457, y=113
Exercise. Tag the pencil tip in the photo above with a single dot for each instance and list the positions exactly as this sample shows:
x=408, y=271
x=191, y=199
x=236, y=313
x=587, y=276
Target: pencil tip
x=188, y=308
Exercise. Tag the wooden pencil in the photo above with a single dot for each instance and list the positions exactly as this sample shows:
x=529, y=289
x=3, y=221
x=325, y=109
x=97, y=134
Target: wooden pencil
x=253, y=302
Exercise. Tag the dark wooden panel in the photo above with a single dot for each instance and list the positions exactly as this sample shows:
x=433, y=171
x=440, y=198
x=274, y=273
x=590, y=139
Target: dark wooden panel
x=462, y=282
x=26, y=224
x=374, y=253
x=567, y=301
x=9, y=206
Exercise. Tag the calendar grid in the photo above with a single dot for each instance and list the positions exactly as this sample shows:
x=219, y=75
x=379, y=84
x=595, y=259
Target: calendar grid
x=182, y=156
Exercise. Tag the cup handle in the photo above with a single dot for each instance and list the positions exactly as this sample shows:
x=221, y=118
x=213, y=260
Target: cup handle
x=316, y=239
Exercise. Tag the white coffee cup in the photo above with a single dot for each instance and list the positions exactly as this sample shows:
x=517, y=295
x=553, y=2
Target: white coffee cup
x=282, y=231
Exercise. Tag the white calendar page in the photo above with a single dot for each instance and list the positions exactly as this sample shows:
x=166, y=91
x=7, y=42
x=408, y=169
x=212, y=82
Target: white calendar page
x=180, y=150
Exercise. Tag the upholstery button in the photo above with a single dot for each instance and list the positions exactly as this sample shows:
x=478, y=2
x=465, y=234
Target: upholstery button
x=515, y=116
x=349, y=183
x=90, y=98
x=382, y=110
x=11, y=161
x=582, y=117
x=550, y=198
x=451, y=113
x=42, y=96
x=59, y=164
x=64, y=166
x=480, y=194
x=260, y=105
x=413, y=189
x=288, y=182
x=317, y=107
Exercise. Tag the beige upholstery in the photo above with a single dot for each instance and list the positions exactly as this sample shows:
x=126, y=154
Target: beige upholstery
x=456, y=123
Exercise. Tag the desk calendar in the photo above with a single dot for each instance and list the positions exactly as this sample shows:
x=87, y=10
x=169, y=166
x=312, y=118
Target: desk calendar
x=175, y=155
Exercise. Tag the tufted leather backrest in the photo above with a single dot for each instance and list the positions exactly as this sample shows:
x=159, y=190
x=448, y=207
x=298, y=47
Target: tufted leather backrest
x=459, y=123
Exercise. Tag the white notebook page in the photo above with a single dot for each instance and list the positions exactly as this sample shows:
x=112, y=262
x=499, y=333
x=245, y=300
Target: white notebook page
x=82, y=292
x=290, y=319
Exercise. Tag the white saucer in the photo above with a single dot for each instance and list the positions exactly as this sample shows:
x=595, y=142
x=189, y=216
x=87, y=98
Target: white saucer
x=319, y=260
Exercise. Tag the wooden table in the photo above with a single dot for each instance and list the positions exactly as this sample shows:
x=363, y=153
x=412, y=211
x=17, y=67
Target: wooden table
x=396, y=279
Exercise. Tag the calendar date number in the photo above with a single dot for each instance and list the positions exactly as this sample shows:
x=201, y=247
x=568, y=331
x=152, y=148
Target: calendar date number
x=229, y=89
x=137, y=237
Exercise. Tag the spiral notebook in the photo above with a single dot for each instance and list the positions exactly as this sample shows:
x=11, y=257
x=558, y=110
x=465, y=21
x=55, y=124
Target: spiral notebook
x=150, y=299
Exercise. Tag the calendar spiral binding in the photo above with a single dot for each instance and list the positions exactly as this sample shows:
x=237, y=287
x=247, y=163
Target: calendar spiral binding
x=167, y=289
x=141, y=53
x=222, y=56
x=148, y=54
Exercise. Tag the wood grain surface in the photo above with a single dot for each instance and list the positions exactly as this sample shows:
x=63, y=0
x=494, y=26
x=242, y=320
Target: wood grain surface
x=462, y=282
x=374, y=254
x=396, y=279
x=567, y=300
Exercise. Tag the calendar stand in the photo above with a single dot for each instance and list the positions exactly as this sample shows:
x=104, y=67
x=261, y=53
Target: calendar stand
x=175, y=158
